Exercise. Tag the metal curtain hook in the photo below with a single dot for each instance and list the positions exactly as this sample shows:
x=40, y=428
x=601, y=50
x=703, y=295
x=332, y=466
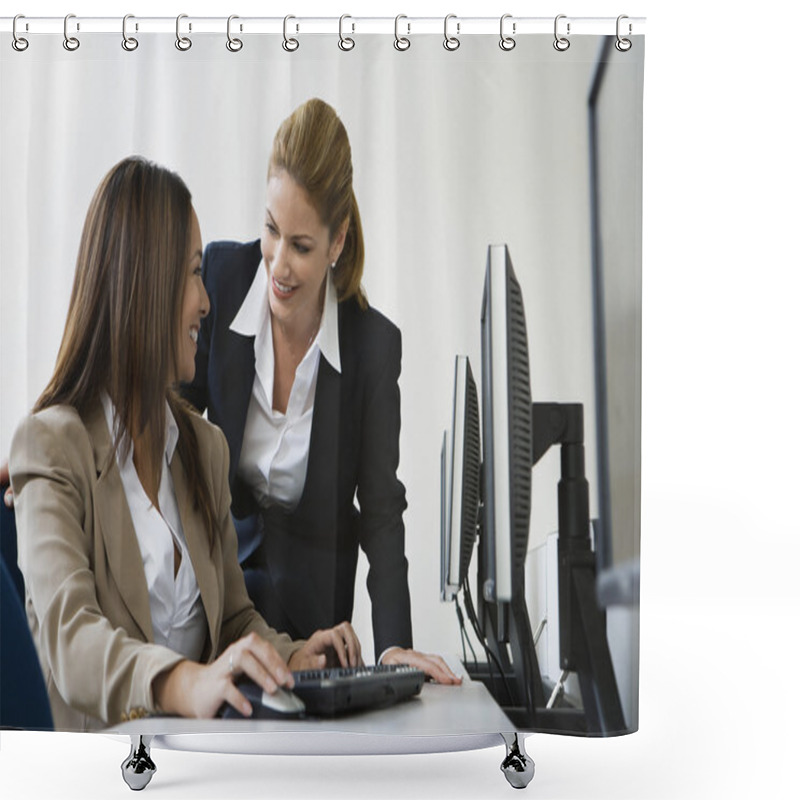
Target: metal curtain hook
x=346, y=42
x=233, y=44
x=622, y=44
x=507, y=42
x=451, y=42
x=18, y=42
x=128, y=42
x=401, y=42
x=182, y=42
x=561, y=43
x=71, y=43
x=289, y=44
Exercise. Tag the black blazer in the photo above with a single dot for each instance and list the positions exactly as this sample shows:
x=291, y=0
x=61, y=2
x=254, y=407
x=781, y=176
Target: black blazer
x=301, y=565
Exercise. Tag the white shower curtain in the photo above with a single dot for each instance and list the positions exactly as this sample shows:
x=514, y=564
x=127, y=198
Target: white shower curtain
x=453, y=152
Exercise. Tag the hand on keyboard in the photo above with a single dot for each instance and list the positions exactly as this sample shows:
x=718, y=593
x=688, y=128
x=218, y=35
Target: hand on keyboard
x=432, y=665
x=330, y=647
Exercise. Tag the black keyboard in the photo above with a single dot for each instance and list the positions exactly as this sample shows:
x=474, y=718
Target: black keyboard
x=341, y=690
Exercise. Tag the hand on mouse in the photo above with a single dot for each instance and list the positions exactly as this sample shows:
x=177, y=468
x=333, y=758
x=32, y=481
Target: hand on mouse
x=198, y=690
x=330, y=647
x=432, y=665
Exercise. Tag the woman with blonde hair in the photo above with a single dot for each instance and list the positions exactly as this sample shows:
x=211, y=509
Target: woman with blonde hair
x=133, y=591
x=302, y=376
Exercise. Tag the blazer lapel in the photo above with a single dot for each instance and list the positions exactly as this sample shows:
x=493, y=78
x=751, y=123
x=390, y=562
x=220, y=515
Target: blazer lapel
x=320, y=490
x=197, y=542
x=113, y=518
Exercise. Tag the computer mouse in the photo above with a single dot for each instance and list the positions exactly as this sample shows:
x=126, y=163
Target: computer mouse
x=281, y=704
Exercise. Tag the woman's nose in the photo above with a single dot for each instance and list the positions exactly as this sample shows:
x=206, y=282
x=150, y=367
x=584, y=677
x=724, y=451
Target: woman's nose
x=279, y=256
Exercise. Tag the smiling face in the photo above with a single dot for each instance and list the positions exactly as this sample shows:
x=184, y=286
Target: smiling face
x=194, y=307
x=297, y=249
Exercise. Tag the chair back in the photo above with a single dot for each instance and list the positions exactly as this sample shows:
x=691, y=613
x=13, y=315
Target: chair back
x=24, y=703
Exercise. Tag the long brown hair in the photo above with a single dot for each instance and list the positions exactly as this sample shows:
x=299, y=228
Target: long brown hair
x=312, y=146
x=121, y=333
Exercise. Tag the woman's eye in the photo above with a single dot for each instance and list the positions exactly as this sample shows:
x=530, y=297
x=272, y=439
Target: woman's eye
x=271, y=228
x=301, y=248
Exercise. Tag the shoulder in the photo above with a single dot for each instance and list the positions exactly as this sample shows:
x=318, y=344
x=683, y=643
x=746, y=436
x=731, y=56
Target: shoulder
x=58, y=421
x=55, y=435
x=367, y=331
x=233, y=261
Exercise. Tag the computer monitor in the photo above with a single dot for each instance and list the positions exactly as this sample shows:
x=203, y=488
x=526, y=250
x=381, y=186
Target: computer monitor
x=515, y=435
x=507, y=429
x=461, y=466
x=617, y=302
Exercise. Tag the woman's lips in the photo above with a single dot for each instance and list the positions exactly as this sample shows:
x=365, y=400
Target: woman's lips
x=282, y=290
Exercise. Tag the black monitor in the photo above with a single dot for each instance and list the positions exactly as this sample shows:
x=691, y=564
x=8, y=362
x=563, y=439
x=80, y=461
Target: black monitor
x=461, y=465
x=617, y=303
x=515, y=434
x=507, y=432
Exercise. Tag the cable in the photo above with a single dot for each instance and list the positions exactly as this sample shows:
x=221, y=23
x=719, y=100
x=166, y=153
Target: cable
x=490, y=656
x=465, y=635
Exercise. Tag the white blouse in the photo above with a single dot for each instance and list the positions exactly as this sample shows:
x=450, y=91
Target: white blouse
x=275, y=446
x=176, y=609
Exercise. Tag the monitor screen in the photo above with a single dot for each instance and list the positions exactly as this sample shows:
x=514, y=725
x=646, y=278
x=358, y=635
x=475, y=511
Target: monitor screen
x=507, y=429
x=461, y=463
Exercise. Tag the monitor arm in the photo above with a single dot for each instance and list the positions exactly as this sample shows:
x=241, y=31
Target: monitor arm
x=555, y=423
x=582, y=623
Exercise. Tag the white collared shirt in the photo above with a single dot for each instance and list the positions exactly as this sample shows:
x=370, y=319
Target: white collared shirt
x=275, y=446
x=176, y=609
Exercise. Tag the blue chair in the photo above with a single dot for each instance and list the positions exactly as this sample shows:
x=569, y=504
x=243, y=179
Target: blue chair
x=23, y=696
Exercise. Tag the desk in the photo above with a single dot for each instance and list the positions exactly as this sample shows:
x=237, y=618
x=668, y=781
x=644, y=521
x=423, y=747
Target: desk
x=441, y=719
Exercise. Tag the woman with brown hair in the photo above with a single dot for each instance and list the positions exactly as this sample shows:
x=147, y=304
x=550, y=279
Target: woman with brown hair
x=302, y=376
x=134, y=595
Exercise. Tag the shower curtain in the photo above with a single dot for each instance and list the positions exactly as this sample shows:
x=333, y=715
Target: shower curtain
x=533, y=141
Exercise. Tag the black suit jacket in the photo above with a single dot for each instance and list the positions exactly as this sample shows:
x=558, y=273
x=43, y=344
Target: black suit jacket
x=301, y=565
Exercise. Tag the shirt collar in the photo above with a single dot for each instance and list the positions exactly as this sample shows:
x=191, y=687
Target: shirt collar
x=172, y=426
x=255, y=307
x=328, y=335
x=254, y=312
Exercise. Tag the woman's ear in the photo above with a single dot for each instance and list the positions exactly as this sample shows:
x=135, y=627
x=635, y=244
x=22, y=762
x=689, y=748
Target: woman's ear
x=337, y=243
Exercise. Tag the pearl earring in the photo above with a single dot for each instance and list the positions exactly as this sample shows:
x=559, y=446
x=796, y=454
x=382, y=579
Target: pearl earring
x=333, y=265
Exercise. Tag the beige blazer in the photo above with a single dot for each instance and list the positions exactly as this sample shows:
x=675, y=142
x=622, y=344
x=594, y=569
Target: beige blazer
x=86, y=593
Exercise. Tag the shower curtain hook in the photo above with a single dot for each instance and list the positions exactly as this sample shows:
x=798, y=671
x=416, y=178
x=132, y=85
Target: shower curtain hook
x=18, y=42
x=234, y=45
x=71, y=43
x=507, y=42
x=183, y=43
x=451, y=42
x=289, y=44
x=401, y=42
x=561, y=43
x=346, y=42
x=622, y=44
x=128, y=42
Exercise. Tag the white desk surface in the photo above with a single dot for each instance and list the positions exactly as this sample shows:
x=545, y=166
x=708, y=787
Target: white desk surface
x=439, y=719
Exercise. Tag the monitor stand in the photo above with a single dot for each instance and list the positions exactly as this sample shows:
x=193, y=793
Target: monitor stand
x=582, y=622
x=514, y=677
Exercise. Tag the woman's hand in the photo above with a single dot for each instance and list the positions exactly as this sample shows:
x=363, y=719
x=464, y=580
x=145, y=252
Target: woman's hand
x=198, y=690
x=330, y=647
x=432, y=665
